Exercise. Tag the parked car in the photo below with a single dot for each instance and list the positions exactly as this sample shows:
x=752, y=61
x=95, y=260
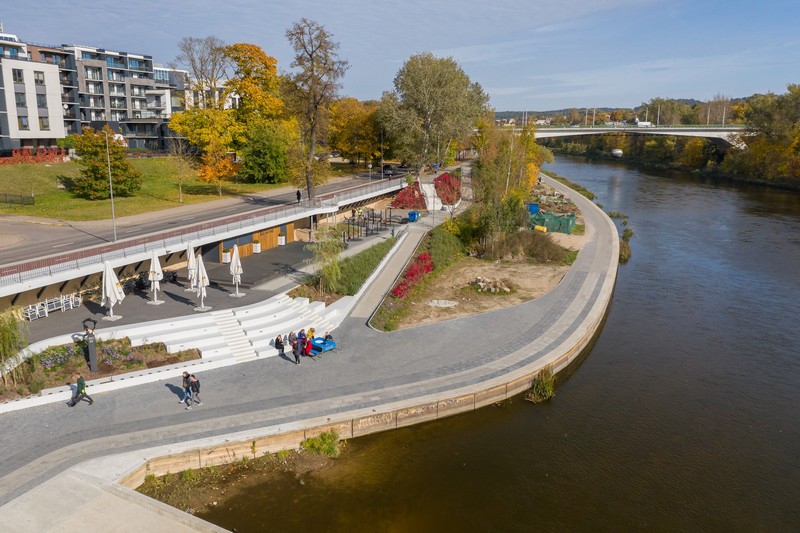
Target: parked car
x=389, y=170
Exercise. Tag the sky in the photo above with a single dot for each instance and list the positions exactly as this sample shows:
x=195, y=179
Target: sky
x=533, y=55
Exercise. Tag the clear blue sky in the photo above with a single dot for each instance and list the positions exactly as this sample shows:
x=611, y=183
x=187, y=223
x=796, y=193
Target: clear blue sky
x=527, y=54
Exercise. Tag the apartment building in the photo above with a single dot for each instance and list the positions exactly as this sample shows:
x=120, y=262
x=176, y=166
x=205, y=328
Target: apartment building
x=48, y=92
x=31, y=106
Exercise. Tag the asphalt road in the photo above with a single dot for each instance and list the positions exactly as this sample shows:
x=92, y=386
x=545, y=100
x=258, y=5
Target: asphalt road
x=26, y=238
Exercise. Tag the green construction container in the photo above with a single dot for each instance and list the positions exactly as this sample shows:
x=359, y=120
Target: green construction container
x=553, y=222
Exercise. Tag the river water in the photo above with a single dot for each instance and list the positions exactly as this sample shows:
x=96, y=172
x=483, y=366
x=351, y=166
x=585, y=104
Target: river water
x=683, y=416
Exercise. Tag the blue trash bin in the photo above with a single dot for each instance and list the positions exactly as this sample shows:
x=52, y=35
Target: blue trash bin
x=533, y=209
x=413, y=216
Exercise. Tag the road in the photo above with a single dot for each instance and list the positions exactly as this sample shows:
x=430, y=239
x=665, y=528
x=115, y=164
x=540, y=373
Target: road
x=26, y=238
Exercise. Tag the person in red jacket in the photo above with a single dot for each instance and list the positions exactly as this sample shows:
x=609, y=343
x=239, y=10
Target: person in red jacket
x=307, y=348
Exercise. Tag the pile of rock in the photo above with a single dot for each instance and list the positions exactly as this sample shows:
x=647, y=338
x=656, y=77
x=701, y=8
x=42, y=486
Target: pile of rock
x=491, y=285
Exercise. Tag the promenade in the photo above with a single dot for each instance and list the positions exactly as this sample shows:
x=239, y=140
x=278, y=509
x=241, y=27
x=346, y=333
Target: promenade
x=62, y=467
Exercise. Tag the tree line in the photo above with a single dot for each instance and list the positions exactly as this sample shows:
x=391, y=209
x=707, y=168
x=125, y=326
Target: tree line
x=768, y=151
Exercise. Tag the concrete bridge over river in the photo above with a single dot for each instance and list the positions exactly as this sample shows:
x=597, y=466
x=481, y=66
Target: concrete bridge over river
x=727, y=134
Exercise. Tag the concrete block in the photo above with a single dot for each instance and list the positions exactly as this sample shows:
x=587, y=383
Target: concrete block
x=417, y=414
x=343, y=429
x=373, y=424
x=519, y=385
x=490, y=396
x=457, y=405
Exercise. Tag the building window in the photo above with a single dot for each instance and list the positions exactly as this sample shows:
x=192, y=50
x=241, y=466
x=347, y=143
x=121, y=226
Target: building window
x=22, y=122
x=41, y=100
x=17, y=75
x=20, y=98
x=38, y=77
x=44, y=123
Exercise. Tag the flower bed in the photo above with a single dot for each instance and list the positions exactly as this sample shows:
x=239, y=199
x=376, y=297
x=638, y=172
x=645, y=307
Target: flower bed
x=414, y=274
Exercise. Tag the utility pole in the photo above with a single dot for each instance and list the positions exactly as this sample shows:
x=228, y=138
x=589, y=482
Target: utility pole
x=594, y=115
x=658, y=116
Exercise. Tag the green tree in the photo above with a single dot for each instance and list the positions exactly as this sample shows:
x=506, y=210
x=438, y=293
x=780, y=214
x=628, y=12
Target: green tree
x=433, y=104
x=266, y=154
x=98, y=150
x=314, y=85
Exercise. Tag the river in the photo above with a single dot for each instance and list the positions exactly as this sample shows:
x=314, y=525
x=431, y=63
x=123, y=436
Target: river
x=683, y=416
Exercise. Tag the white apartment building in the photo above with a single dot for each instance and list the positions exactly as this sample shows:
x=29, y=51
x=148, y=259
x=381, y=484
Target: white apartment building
x=31, y=108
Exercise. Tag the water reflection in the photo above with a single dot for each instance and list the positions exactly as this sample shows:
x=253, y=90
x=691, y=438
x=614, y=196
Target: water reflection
x=683, y=417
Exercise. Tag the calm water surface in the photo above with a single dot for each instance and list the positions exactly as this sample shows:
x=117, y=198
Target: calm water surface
x=683, y=416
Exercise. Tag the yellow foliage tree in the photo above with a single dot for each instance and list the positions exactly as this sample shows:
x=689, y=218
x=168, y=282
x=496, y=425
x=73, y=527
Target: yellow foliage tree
x=255, y=82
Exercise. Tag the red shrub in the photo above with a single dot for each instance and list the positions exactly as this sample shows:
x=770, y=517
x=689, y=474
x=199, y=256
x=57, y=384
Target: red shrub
x=448, y=188
x=409, y=198
x=415, y=273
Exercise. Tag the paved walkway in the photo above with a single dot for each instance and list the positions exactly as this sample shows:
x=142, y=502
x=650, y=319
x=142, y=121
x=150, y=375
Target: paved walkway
x=50, y=447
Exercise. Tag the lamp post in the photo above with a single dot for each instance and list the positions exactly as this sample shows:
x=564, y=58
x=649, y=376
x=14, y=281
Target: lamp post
x=111, y=188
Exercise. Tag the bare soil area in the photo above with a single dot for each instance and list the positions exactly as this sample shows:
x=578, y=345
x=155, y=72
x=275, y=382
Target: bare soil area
x=527, y=281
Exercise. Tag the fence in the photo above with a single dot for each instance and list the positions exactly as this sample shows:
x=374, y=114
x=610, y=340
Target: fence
x=17, y=199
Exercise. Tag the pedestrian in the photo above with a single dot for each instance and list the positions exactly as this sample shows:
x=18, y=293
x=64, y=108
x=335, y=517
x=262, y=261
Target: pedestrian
x=353, y=213
x=187, y=391
x=328, y=336
x=194, y=385
x=307, y=348
x=301, y=335
x=311, y=333
x=292, y=338
x=279, y=345
x=296, y=351
x=80, y=392
x=299, y=196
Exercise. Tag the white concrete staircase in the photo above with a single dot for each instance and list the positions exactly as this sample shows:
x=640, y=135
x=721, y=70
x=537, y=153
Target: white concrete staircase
x=238, y=345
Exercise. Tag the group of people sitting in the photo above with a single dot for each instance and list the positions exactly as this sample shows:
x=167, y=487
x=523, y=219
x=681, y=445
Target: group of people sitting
x=300, y=343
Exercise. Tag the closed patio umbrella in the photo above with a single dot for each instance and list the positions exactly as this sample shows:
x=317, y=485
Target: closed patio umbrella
x=191, y=265
x=155, y=275
x=202, y=283
x=236, y=272
x=112, y=291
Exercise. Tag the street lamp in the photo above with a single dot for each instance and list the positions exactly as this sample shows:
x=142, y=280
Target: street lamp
x=111, y=188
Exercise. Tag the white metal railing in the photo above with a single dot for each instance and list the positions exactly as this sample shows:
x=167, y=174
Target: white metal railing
x=198, y=234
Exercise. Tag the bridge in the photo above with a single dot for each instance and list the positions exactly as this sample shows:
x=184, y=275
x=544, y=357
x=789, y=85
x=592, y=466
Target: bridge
x=723, y=133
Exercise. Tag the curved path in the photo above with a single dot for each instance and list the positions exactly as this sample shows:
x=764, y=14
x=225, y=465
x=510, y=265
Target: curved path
x=373, y=372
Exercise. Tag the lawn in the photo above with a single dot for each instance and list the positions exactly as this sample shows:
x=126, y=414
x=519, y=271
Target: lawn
x=159, y=190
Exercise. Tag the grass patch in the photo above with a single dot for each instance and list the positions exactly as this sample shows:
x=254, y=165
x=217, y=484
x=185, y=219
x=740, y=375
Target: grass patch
x=159, y=190
x=624, y=251
x=543, y=387
x=356, y=269
x=326, y=443
x=580, y=189
x=578, y=229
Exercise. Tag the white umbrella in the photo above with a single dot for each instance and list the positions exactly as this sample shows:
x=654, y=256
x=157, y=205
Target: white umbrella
x=155, y=275
x=202, y=283
x=191, y=264
x=236, y=271
x=112, y=291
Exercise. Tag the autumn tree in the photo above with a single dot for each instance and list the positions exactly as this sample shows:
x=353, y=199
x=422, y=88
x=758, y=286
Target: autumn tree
x=314, y=84
x=99, y=150
x=13, y=338
x=268, y=155
x=325, y=252
x=504, y=175
x=353, y=129
x=255, y=82
x=433, y=104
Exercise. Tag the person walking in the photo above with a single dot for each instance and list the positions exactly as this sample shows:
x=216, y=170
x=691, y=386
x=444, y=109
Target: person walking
x=187, y=390
x=279, y=345
x=291, y=338
x=299, y=196
x=194, y=385
x=80, y=392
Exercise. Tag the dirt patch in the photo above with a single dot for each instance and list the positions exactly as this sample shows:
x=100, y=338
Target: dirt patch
x=527, y=281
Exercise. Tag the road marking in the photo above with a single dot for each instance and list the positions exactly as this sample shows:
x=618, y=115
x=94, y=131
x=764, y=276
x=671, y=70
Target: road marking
x=62, y=244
